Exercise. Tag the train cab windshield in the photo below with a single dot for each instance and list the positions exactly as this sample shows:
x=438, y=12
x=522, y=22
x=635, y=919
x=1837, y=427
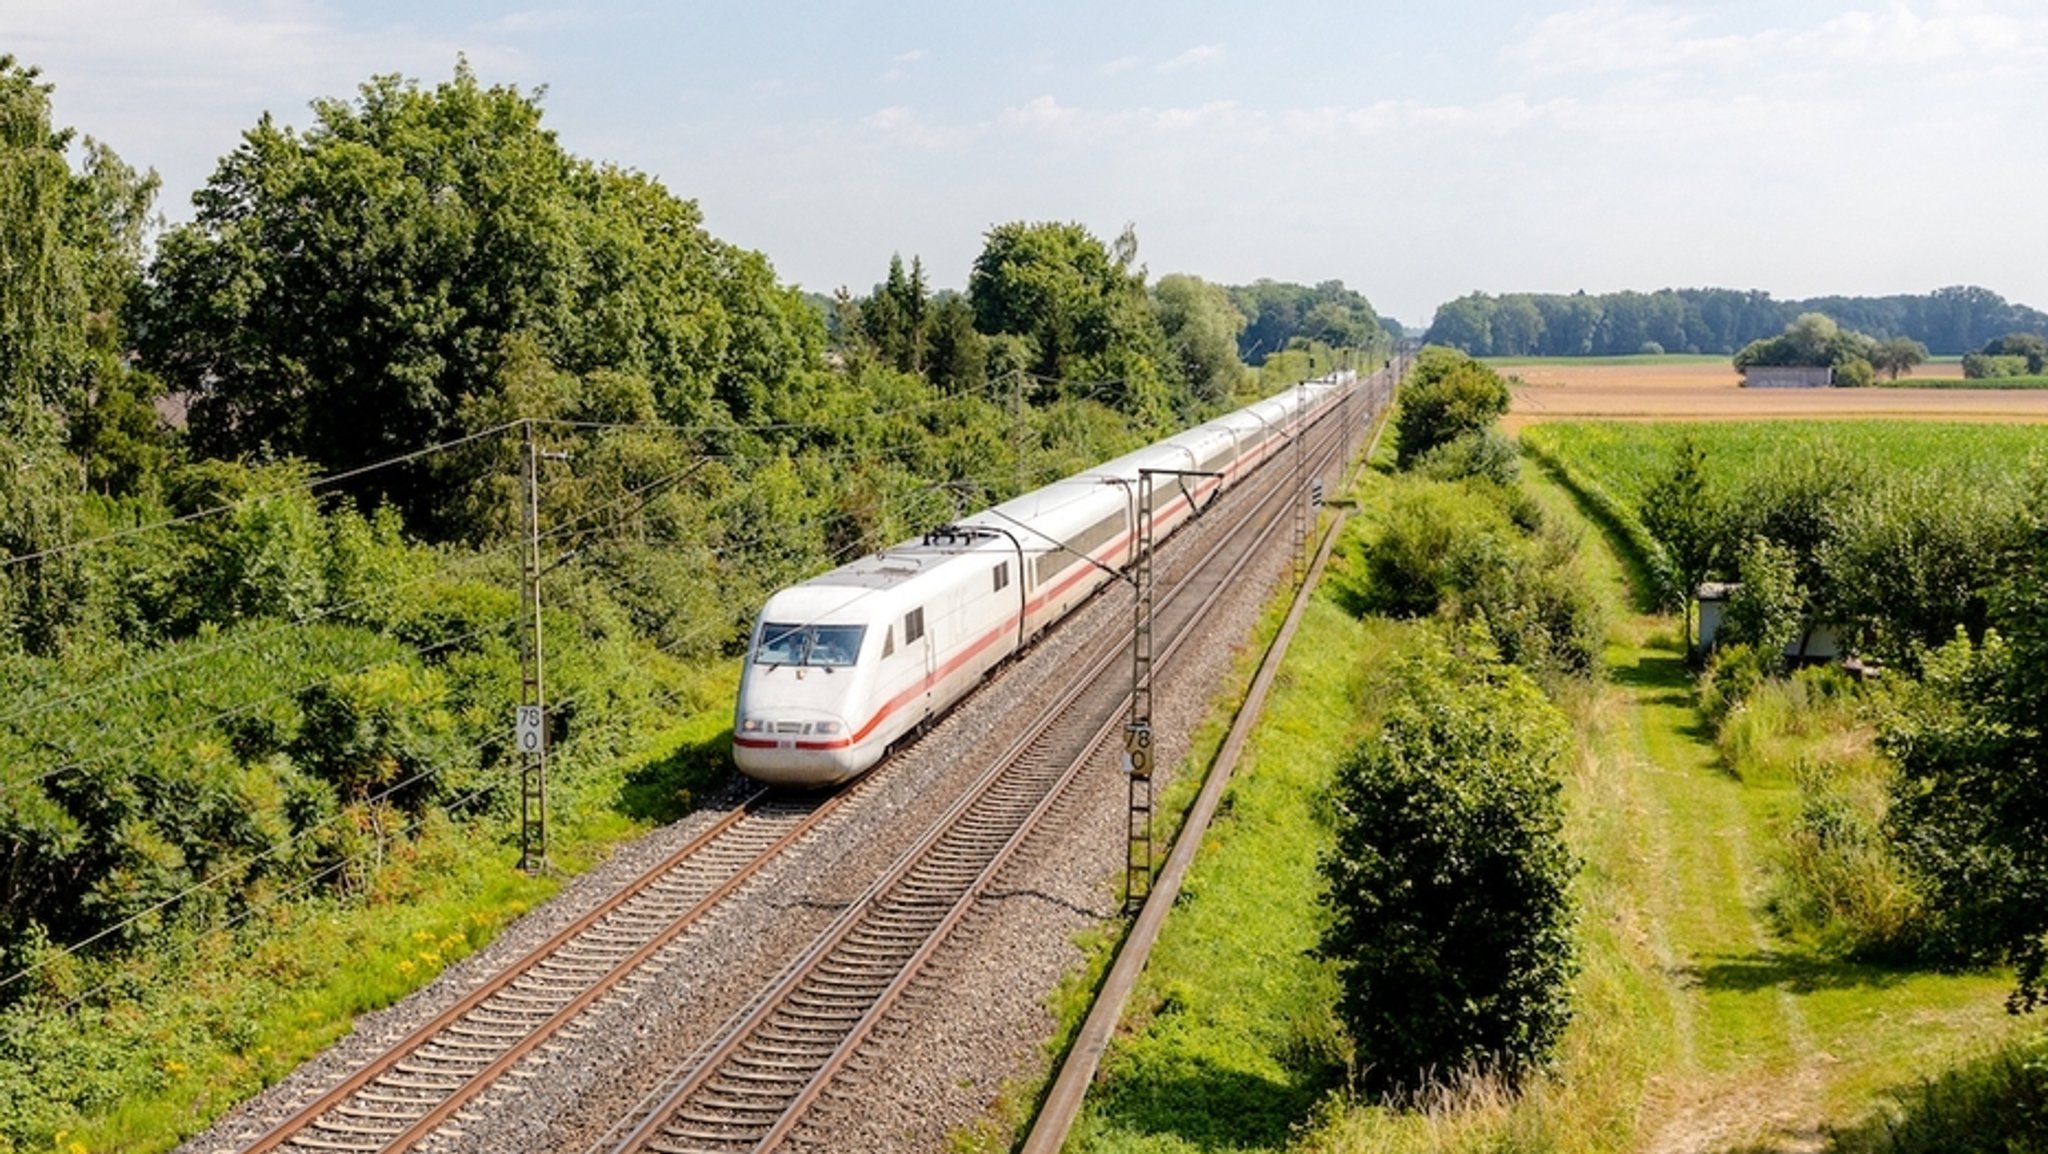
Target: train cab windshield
x=823, y=645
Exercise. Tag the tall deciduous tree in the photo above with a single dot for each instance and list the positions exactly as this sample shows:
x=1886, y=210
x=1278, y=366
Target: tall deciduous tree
x=1080, y=304
x=1448, y=395
x=348, y=293
x=1201, y=327
x=70, y=249
x=1686, y=518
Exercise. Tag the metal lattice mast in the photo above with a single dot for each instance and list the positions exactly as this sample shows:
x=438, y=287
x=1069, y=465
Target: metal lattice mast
x=530, y=728
x=1301, y=497
x=1138, y=730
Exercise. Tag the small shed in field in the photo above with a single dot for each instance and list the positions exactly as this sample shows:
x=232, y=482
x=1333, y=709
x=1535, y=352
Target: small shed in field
x=1818, y=642
x=1787, y=377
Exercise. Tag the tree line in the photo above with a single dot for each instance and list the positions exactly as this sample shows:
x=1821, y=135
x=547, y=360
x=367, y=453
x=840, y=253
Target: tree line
x=1948, y=321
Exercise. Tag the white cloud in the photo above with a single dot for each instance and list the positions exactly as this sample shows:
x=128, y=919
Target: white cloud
x=1617, y=36
x=1199, y=55
x=1120, y=65
x=911, y=57
x=905, y=126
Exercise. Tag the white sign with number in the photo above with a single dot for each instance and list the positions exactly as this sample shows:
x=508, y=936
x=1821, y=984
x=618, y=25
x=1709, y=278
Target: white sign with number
x=526, y=730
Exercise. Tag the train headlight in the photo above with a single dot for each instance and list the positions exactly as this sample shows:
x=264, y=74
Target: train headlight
x=753, y=725
x=828, y=728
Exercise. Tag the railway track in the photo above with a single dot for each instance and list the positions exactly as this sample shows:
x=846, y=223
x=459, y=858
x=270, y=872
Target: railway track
x=754, y=1087
x=424, y=1081
x=814, y=1019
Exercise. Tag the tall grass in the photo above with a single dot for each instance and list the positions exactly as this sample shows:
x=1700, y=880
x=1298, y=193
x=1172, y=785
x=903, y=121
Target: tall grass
x=1997, y=1104
x=1836, y=880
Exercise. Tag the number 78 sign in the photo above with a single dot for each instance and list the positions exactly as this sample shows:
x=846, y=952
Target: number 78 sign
x=526, y=729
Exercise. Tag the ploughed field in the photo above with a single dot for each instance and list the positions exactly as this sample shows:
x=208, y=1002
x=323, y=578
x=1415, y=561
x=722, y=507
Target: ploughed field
x=1686, y=388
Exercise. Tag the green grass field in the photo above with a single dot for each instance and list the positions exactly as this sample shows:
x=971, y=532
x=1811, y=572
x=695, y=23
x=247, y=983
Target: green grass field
x=1621, y=457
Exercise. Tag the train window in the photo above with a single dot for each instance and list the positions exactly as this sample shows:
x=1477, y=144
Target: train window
x=913, y=625
x=780, y=645
x=827, y=645
x=1002, y=576
x=889, y=642
x=834, y=644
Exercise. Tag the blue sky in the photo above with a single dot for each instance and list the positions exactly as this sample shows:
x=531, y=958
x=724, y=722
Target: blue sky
x=1416, y=152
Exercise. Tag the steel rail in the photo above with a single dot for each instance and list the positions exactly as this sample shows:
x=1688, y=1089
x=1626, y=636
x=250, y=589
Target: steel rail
x=294, y=1129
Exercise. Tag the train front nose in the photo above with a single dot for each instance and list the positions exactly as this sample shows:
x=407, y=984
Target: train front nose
x=791, y=746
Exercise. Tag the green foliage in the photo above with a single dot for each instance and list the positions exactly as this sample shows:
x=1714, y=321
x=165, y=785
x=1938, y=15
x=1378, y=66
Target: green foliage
x=1450, y=882
x=1969, y=744
x=1897, y=355
x=1814, y=340
x=1457, y=549
x=1898, y=531
x=388, y=259
x=1082, y=306
x=1486, y=455
x=1917, y=557
x=1987, y=367
x=2019, y=354
x=1996, y=1104
x=1765, y=612
x=1734, y=672
x=1201, y=325
x=1447, y=396
x=1280, y=316
x=1950, y=321
x=1686, y=518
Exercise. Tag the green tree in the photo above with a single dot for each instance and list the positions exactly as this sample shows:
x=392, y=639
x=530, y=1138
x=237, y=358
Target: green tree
x=1767, y=610
x=1450, y=882
x=1815, y=340
x=1898, y=355
x=1447, y=396
x=70, y=248
x=1916, y=558
x=384, y=261
x=1201, y=326
x=1082, y=306
x=1686, y=516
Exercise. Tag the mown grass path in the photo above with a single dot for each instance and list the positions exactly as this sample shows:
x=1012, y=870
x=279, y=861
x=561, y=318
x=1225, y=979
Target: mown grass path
x=1751, y=1042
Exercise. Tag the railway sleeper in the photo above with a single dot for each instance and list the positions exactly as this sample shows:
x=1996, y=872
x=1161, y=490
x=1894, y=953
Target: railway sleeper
x=455, y=1040
x=506, y=1032
x=721, y=1139
x=753, y=1108
x=834, y=1008
x=314, y=1142
x=735, y=1078
x=442, y=1080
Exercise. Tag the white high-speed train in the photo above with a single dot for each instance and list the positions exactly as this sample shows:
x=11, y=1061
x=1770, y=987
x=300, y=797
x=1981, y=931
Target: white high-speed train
x=844, y=665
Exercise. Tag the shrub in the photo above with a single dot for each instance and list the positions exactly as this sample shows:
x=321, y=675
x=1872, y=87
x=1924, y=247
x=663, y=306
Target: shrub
x=1450, y=881
x=1764, y=611
x=1434, y=540
x=1732, y=674
x=1485, y=454
x=1448, y=395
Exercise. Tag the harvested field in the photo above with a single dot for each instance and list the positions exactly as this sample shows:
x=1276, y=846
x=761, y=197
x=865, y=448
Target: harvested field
x=1711, y=390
